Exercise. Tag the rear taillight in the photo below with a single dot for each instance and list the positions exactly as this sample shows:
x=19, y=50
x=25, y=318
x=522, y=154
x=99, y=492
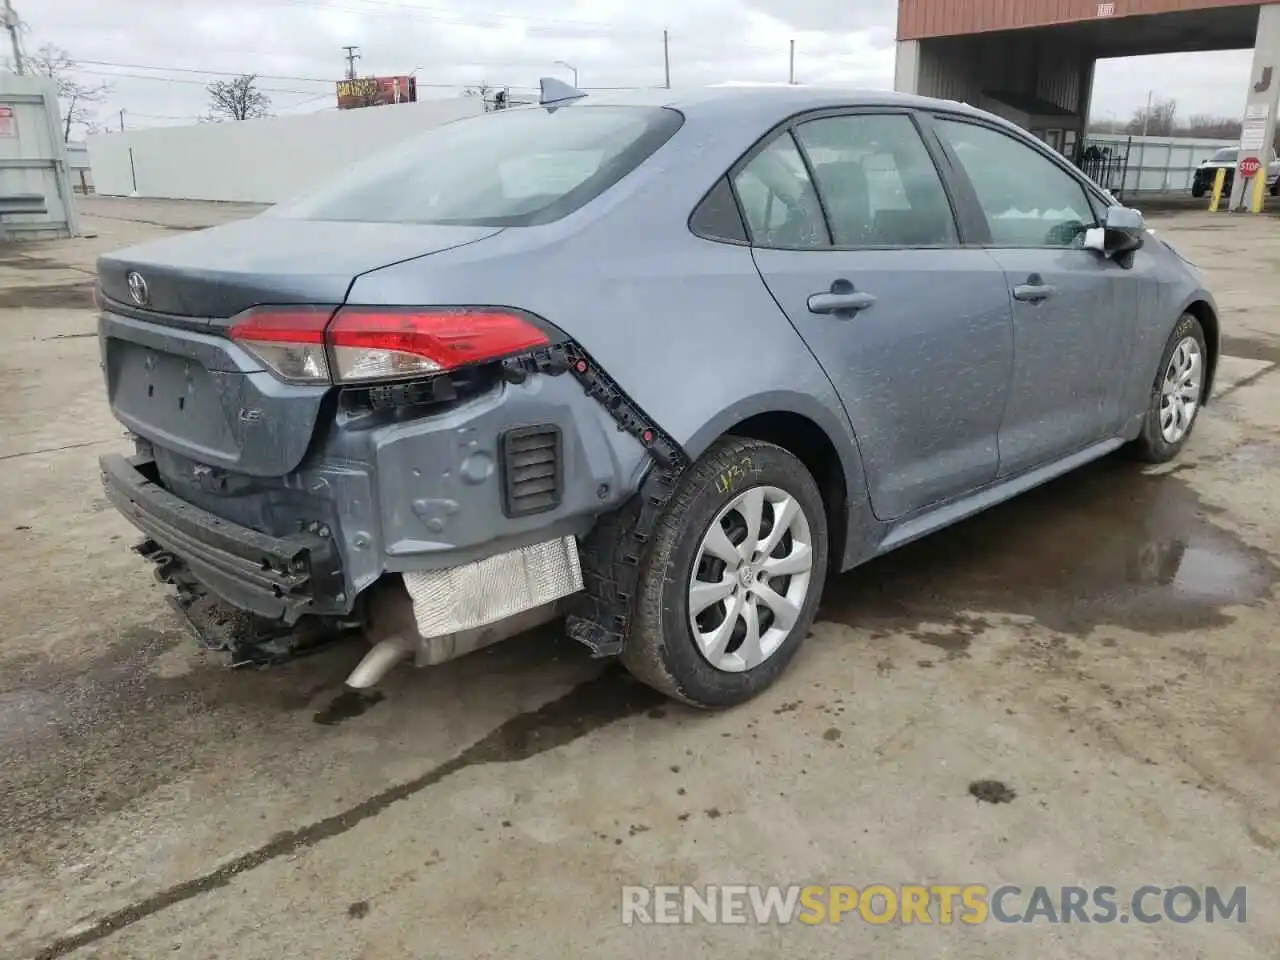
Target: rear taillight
x=289, y=340
x=377, y=344
x=362, y=344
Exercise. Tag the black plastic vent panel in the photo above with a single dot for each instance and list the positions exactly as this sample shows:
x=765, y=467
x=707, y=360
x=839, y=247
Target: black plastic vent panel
x=532, y=470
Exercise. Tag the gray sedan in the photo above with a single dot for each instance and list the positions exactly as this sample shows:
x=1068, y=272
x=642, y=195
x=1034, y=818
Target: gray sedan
x=656, y=364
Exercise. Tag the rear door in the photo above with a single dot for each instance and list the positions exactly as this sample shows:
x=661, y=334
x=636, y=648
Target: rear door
x=1073, y=319
x=854, y=235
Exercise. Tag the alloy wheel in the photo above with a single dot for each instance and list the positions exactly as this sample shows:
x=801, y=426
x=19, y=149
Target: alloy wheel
x=1180, y=390
x=750, y=578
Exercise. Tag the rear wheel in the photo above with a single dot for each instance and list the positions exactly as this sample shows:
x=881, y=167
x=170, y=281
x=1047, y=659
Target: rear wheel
x=731, y=582
x=1176, y=395
x=1198, y=190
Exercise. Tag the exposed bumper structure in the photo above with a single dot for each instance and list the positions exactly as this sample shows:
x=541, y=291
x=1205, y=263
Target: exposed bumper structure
x=280, y=578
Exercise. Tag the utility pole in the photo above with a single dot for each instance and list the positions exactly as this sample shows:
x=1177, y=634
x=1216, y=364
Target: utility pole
x=791, y=74
x=666, y=60
x=122, y=119
x=352, y=55
x=11, y=23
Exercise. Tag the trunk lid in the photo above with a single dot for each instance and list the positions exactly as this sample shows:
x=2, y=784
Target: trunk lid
x=212, y=275
x=172, y=375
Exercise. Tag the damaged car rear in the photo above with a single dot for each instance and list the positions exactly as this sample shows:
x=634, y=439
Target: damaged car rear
x=340, y=394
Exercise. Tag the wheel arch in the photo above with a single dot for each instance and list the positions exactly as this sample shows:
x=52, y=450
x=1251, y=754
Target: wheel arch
x=819, y=439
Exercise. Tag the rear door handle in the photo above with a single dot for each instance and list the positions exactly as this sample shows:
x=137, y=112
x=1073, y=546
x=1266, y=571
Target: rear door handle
x=842, y=301
x=1034, y=290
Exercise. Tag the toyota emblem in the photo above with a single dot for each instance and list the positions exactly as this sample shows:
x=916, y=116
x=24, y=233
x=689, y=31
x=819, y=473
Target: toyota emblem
x=138, y=289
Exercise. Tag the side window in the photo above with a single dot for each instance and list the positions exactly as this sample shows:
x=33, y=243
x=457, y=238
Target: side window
x=778, y=199
x=717, y=217
x=878, y=183
x=1029, y=201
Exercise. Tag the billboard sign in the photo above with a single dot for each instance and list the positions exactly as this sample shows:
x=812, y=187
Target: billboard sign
x=375, y=91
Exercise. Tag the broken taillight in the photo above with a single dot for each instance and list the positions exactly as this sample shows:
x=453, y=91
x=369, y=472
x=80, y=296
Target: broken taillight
x=289, y=340
x=363, y=344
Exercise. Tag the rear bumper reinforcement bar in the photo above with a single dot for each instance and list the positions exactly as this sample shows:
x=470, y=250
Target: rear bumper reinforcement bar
x=279, y=578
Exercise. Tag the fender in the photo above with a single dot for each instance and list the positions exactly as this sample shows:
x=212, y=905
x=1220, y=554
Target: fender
x=863, y=530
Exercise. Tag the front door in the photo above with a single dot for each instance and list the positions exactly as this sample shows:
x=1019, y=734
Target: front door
x=912, y=327
x=1072, y=322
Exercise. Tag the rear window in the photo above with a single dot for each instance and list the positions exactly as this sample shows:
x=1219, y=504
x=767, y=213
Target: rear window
x=507, y=168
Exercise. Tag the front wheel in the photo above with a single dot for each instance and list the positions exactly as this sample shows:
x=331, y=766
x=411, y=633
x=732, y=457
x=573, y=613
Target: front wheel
x=730, y=584
x=1176, y=395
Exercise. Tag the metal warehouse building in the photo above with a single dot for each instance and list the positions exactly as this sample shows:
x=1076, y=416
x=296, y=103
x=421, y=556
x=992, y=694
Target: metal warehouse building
x=1032, y=61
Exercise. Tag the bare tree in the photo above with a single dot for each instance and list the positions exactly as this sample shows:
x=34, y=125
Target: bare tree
x=1205, y=125
x=1160, y=121
x=481, y=90
x=78, y=99
x=238, y=99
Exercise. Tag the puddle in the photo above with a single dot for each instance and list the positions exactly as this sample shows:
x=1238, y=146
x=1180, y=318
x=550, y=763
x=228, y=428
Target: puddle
x=85, y=739
x=48, y=296
x=80, y=740
x=348, y=705
x=1104, y=545
x=992, y=791
x=1249, y=349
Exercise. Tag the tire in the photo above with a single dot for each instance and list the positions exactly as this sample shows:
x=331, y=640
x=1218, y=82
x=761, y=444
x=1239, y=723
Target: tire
x=1153, y=444
x=661, y=648
x=1198, y=191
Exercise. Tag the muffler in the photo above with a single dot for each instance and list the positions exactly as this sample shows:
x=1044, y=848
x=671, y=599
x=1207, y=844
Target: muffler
x=393, y=630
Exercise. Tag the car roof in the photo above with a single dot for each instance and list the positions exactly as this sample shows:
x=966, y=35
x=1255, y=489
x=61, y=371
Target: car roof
x=770, y=103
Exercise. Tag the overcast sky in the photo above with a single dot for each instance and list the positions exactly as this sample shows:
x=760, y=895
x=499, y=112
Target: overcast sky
x=296, y=45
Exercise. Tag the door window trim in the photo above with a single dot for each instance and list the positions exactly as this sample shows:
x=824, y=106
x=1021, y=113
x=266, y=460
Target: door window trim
x=978, y=217
x=941, y=165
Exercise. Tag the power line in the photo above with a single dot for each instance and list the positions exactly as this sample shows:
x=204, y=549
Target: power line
x=231, y=73
x=198, y=83
x=214, y=73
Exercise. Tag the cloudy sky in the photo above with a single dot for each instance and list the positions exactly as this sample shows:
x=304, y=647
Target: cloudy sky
x=159, y=54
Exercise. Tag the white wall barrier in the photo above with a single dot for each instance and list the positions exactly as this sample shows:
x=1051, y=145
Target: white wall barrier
x=257, y=161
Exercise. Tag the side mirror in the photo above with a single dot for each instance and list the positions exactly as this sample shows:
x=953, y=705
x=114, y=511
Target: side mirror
x=1123, y=232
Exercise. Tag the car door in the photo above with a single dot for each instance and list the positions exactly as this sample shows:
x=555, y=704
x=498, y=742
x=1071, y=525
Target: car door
x=912, y=326
x=1073, y=318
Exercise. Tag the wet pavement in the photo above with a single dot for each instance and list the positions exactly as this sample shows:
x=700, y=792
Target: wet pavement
x=1075, y=687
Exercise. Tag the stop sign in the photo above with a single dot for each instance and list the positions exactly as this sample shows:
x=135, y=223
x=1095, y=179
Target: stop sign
x=1249, y=166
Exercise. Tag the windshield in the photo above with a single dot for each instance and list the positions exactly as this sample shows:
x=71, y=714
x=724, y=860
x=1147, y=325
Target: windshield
x=1224, y=156
x=510, y=168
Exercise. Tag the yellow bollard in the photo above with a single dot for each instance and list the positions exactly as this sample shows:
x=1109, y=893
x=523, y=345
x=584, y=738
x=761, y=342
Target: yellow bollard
x=1219, y=179
x=1259, y=191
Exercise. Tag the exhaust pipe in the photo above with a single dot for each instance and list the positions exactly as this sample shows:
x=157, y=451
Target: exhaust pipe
x=393, y=631
x=377, y=663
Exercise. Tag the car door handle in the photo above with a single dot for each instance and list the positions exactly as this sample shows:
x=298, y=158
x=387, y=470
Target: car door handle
x=1034, y=290
x=842, y=304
